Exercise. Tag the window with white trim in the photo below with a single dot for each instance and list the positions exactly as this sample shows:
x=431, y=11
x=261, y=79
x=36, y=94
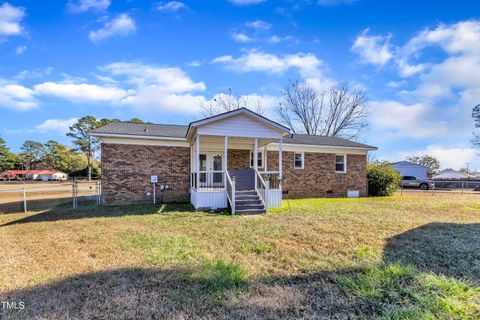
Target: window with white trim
x=259, y=161
x=298, y=160
x=341, y=163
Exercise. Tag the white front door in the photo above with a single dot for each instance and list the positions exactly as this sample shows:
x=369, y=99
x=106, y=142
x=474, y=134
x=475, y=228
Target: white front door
x=211, y=168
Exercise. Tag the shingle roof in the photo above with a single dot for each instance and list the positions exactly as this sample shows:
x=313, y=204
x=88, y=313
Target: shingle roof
x=141, y=129
x=180, y=131
x=323, y=141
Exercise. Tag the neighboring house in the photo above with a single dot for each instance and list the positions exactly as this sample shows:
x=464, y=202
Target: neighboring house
x=407, y=168
x=237, y=158
x=39, y=175
x=450, y=174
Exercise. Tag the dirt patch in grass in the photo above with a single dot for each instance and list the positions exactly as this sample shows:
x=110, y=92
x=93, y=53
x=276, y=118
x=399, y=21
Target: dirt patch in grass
x=401, y=257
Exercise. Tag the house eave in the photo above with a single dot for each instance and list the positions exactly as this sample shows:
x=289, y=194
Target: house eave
x=134, y=136
x=329, y=146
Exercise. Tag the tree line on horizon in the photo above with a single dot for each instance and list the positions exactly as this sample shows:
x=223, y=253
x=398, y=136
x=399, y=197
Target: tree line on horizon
x=76, y=161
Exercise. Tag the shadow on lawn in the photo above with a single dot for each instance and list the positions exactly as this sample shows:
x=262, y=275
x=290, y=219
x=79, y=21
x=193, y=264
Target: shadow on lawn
x=60, y=213
x=449, y=249
x=158, y=293
x=178, y=294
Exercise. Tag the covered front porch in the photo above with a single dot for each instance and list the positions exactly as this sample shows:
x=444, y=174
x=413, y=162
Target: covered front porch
x=232, y=171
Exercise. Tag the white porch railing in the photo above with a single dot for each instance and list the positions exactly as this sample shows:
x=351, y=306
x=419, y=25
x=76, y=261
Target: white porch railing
x=208, y=180
x=262, y=188
x=230, y=188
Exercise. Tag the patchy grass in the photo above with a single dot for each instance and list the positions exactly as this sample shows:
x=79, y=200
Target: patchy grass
x=404, y=293
x=403, y=257
x=220, y=276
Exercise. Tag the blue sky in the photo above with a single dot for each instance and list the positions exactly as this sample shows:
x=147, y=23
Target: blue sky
x=419, y=62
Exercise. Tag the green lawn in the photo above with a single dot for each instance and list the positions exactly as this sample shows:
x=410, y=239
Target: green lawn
x=403, y=257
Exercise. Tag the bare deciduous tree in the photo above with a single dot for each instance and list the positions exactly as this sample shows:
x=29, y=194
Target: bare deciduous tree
x=229, y=101
x=337, y=111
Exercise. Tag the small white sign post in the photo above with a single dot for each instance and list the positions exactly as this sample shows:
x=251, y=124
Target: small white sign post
x=154, y=180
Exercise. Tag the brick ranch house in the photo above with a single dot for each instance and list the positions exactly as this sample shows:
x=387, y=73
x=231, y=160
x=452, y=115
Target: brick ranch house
x=237, y=159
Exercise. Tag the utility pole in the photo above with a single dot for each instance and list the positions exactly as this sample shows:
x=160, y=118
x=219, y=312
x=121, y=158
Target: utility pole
x=467, y=166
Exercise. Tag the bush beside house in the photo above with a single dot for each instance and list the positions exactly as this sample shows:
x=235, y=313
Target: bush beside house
x=383, y=179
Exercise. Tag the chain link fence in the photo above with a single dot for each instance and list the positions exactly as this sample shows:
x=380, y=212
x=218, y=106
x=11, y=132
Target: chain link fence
x=448, y=186
x=15, y=198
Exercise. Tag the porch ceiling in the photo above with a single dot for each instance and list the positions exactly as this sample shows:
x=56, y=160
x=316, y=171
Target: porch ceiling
x=217, y=142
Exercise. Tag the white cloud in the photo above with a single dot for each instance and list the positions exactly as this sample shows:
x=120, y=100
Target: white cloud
x=34, y=73
x=334, y=2
x=169, y=78
x=241, y=37
x=16, y=97
x=396, y=120
x=274, y=39
x=308, y=64
x=277, y=39
x=158, y=88
x=81, y=6
x=57, y=125
x=121, y=26
x=10, y=20
x=79, y=92
x=455, y=38
x=195, y=63
x=375, y=50
x=455, y=157
x=246, y=2
x=171, y=6
x=396, y=84
x=20, y=49
x=259, y=25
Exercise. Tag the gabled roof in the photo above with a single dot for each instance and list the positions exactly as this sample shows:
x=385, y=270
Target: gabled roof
x=172, y=131
x=235, y=112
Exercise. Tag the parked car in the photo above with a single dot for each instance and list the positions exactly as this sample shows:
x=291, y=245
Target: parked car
x=414, y=182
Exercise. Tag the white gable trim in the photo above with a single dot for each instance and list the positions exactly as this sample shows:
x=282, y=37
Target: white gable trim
x=284, y=130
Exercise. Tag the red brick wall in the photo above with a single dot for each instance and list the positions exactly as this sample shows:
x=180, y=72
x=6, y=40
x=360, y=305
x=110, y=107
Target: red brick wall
x=318, y=178
x=126, y=171
x=238, y=159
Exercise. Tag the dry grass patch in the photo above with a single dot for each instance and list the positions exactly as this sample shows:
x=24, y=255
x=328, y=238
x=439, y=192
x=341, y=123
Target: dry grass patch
x=319, y=259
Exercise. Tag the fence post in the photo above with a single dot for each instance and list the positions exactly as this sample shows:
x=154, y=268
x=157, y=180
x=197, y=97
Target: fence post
x=24, y=200
x=462, y=186
x=74, y=196
x=97, y=192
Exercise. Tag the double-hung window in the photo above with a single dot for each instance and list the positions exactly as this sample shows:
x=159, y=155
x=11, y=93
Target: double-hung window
x=298, y=161
x=259, y=161
x=341, y=163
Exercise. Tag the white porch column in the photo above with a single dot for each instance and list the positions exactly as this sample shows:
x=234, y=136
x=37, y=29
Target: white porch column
x=192, y=164
x=197, y=159
x=265, y=158
x=225, y=160
x=255, y=155
x=280, y=153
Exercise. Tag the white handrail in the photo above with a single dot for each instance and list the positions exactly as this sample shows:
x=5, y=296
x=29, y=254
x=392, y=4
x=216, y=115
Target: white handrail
x=231, y=198
x=264, y=197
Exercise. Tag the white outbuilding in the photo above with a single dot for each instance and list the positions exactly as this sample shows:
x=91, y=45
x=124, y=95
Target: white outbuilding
x=407, y=168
